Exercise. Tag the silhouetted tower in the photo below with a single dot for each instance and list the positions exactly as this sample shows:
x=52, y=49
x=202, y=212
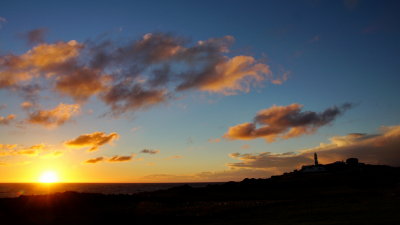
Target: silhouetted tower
x=315, y=159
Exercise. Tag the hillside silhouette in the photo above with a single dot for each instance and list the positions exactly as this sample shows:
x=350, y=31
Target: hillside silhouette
x=338, y=193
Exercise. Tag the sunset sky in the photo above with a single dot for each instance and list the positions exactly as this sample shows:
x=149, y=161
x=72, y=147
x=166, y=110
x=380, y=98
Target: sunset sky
x=195, y=91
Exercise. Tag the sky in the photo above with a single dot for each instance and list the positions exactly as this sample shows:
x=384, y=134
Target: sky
x=195, y=91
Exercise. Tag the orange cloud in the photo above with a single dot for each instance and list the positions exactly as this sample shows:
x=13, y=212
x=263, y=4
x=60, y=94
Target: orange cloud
x=93, y=140
x=26, y=105
x=235, y=74
x=7, y=120
x=284, y=122
x=40, y=60
x=380, y=148
x=95, y=160
x=54, y=117
x=120, y=158
x=14, y=149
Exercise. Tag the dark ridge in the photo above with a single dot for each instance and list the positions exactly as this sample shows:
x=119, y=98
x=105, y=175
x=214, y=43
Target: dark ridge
x=337, y=193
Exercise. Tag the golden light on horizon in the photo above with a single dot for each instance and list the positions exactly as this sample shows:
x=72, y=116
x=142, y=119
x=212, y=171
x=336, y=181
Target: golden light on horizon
x=48, y=177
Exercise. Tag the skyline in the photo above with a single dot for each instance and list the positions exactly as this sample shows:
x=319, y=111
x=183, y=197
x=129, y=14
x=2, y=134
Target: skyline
x=195, y=92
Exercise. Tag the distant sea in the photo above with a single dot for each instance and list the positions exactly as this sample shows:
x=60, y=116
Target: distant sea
x=17, y=189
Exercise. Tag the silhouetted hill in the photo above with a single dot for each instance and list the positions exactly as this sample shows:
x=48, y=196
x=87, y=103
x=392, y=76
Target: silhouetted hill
x=346, y=194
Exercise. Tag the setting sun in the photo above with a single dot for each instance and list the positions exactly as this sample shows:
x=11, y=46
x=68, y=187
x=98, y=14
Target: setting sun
x=48, y=177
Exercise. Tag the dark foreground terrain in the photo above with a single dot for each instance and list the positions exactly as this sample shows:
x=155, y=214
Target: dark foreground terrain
x=370, y=195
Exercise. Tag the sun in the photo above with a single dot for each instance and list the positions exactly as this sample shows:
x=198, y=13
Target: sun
x=48, y=177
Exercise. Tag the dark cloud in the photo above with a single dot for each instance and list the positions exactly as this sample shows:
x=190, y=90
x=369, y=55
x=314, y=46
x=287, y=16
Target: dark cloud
x=132, y=75
x=81, y=83
x=150, y=151
x=93, y=140
x=123, y=97
x=284, y=122
x=380, y=148
x=35, y=36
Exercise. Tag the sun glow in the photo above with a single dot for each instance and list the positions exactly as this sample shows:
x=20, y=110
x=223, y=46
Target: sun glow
x=48, y=177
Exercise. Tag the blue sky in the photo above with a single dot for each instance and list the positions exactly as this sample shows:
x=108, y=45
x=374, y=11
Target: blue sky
x=333, y=52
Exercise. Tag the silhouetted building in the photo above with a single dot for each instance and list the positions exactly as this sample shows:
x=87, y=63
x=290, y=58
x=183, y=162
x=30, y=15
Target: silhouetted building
x=313, y=168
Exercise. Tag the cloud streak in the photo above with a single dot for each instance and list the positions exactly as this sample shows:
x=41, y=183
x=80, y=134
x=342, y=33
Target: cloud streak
x=112, y=159
x=150, y=151
x=94, y=140
x=284, y=122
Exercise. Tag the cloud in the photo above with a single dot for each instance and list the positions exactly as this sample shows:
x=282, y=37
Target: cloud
x=54, y=154
x=245, y=146
x=35, y=36
x=380, y=148
x=284, y=122
x=150, y=151
x=26, y=105
x=2, y=20
x=113, y=159
x=54, y=117
x=227, y=76
x=315, y=38
x=133, y=75
x=43, y=60
x=120, y=158
x=95, y=160
x=93, y=140
x=214, y=140
x=14, y=149
x=123, y=97
x=7, y=120
x=82, y=83
x=175, y=157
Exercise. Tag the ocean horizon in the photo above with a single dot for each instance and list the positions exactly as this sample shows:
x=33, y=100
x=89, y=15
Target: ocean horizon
x=11, y=190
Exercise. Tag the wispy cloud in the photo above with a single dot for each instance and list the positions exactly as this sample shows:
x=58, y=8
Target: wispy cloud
x=284, y=122
x=112, y=159
x=16, y=149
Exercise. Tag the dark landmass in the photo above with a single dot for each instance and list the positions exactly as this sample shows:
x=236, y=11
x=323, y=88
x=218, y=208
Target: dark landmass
x=340, y=193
